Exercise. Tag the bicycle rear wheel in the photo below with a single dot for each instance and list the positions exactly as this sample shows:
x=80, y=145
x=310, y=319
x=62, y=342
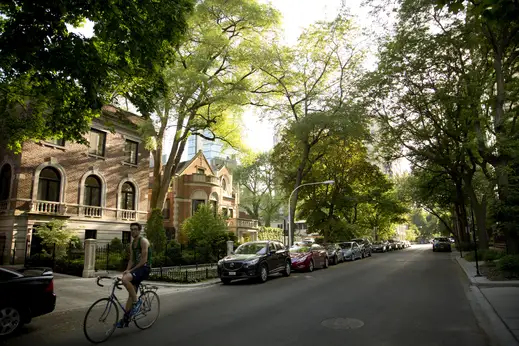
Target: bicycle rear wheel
x=149, y=311
x=100, y=311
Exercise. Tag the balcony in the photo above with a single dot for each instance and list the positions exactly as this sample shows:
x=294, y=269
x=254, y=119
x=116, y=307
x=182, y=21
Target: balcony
x=93, y=212
x=242, y=223
x=45, y=207
x=202, y=178
x=127, y=215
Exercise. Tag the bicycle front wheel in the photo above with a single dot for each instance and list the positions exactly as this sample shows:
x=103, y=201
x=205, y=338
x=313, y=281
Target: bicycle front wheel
x=104, y=312
x=149, y=311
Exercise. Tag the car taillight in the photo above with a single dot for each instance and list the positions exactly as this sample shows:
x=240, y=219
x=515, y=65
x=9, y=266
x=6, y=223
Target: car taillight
x=50, y=287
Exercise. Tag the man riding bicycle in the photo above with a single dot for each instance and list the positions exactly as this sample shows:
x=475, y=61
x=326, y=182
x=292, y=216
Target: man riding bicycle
x=138, y=269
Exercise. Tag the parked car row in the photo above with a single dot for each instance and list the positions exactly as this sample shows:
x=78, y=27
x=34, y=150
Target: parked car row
x=259, y=259
x=390, y=245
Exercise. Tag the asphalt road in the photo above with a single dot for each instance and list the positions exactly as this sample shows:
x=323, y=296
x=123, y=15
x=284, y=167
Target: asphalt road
x=409, y=297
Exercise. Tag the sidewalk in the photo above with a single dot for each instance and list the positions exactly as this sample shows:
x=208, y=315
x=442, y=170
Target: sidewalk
x=499, y=299
x=79, y=293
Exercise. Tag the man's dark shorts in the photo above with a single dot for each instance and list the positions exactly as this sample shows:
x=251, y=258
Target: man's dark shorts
x=140, y=274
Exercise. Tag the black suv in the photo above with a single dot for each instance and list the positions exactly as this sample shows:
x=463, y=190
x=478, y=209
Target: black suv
x=365, y=246
x=256, y=259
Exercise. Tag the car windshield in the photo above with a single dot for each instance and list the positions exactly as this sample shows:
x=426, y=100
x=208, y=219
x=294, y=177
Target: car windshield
x=252, y=249
x=299, y=249
x=346, y=245
x=330, y=247
x=441, y=239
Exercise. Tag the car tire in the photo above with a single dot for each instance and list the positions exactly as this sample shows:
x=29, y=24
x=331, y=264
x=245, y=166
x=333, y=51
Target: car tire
x=311, y=266
x=288, y=269
x=434, y=250
x=326, y=263
x=225, y=281
x=369, y=255
x=335, y=260
x=15, y=315
x=264, y=273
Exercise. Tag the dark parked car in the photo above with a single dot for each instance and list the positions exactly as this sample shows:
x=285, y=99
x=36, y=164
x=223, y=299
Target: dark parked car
x=257, y=260
x=442, y=244
x=25, y=294
x=365, y=246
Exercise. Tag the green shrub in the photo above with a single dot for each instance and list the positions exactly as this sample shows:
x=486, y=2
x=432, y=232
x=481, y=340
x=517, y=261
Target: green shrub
x=72, y=267
x=492, y=255
x=509, y=264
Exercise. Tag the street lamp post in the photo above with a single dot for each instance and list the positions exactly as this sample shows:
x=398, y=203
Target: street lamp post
x=327, y=182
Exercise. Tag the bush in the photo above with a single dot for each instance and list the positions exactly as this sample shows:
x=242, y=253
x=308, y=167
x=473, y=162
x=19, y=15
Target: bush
x=72, y=267
x=492, y=255
x=509, y=265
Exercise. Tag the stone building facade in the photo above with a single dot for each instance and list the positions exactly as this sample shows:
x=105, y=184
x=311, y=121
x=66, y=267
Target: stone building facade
x=98, y=189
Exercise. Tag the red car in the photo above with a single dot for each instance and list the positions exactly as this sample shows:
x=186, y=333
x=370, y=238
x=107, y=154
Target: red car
x=308, y=257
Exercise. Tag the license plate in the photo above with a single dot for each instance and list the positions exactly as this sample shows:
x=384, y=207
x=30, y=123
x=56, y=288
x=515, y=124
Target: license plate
x=232, y=273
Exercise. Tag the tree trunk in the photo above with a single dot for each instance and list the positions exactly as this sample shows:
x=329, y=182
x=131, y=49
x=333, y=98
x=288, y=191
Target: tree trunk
x=461, y=213
x=299, y=179
x=480, y=212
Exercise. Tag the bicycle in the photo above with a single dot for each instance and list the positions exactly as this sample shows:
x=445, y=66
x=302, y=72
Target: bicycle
x=147, y=296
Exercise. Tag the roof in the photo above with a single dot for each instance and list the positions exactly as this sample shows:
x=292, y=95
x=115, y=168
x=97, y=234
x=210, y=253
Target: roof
x=182, y=165
x=125, y=116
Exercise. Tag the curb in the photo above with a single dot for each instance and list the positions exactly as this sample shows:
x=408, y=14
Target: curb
x=488, y=319
x=176, y=285
x=474, y=281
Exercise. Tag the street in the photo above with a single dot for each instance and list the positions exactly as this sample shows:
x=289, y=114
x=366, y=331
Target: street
x=409, y=297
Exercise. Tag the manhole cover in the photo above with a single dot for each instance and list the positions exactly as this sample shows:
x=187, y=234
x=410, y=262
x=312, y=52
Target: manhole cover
x=342, y=323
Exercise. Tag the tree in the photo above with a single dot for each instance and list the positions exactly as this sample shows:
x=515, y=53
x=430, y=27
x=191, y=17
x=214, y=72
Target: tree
x=206, y=231
x=53, y=82
x=260, y=195
x=310, y=86
x=270, y=233
x=155, y=231
x=54, y=234
x=205, y=82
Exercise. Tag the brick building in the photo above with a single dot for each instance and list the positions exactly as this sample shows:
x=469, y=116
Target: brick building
x=197, y=181
x=99, y=189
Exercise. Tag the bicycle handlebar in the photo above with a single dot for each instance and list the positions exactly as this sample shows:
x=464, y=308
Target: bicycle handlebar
x=117, y=281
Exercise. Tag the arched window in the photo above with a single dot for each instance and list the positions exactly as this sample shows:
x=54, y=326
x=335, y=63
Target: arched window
x=92, y=191
x=49, y=185
x=224, y=184
x=5, y=182
x=128, y=196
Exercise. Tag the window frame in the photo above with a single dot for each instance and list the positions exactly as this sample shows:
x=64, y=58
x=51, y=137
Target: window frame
x=43, y=183
x=89, y=193
x=100, y=134
x=128, y=159
x=124, y=196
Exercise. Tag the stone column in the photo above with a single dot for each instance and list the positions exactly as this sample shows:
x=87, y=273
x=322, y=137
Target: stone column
x=90, y=258
x=230, y=247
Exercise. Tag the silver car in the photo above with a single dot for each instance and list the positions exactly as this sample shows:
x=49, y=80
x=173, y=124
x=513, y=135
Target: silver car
x=335, y=253
x=351, y=250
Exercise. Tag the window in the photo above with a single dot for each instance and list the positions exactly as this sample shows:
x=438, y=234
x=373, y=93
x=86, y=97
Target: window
x=224, y=211
x=196, y=203
x=49, y=185
x=97, y=140
x=5, y=182
x=127, y=237
x=214, y=206
x=92, y=191
x=224, y=185
x=170, y=233
x=200, y=171
x=166, y=210
x=131, y=151
x=56, y=141
x=231, y=213
x=128, y=196
x=90, y=234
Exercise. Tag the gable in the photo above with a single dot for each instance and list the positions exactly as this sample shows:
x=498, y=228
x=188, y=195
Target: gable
x=197, y=162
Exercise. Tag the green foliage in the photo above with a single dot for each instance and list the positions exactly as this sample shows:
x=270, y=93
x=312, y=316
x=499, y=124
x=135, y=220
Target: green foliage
x=509, y=264
x=260, y=194
x=155, y=232
x=53, y=82
x=116, y=245
x=55, y=232
x=270, y=233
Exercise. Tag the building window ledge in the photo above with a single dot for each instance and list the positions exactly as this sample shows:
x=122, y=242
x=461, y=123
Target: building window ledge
x=50, y=145
x=124, y=163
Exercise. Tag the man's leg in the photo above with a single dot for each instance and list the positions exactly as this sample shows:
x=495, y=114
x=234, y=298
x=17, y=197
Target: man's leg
x=132, y=295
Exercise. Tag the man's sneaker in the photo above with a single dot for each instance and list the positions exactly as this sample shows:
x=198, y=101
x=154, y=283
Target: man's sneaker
x=136, y=308
x=123, y=323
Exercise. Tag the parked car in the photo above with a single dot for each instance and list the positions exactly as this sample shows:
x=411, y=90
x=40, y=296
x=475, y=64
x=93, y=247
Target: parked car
x=442, y=244
x=380, y=246
x=351, y=250
x=309, y=257
x=365, y=246
x=255, y=260
x=334, y=253
x=395, y=245
x=25, y=294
